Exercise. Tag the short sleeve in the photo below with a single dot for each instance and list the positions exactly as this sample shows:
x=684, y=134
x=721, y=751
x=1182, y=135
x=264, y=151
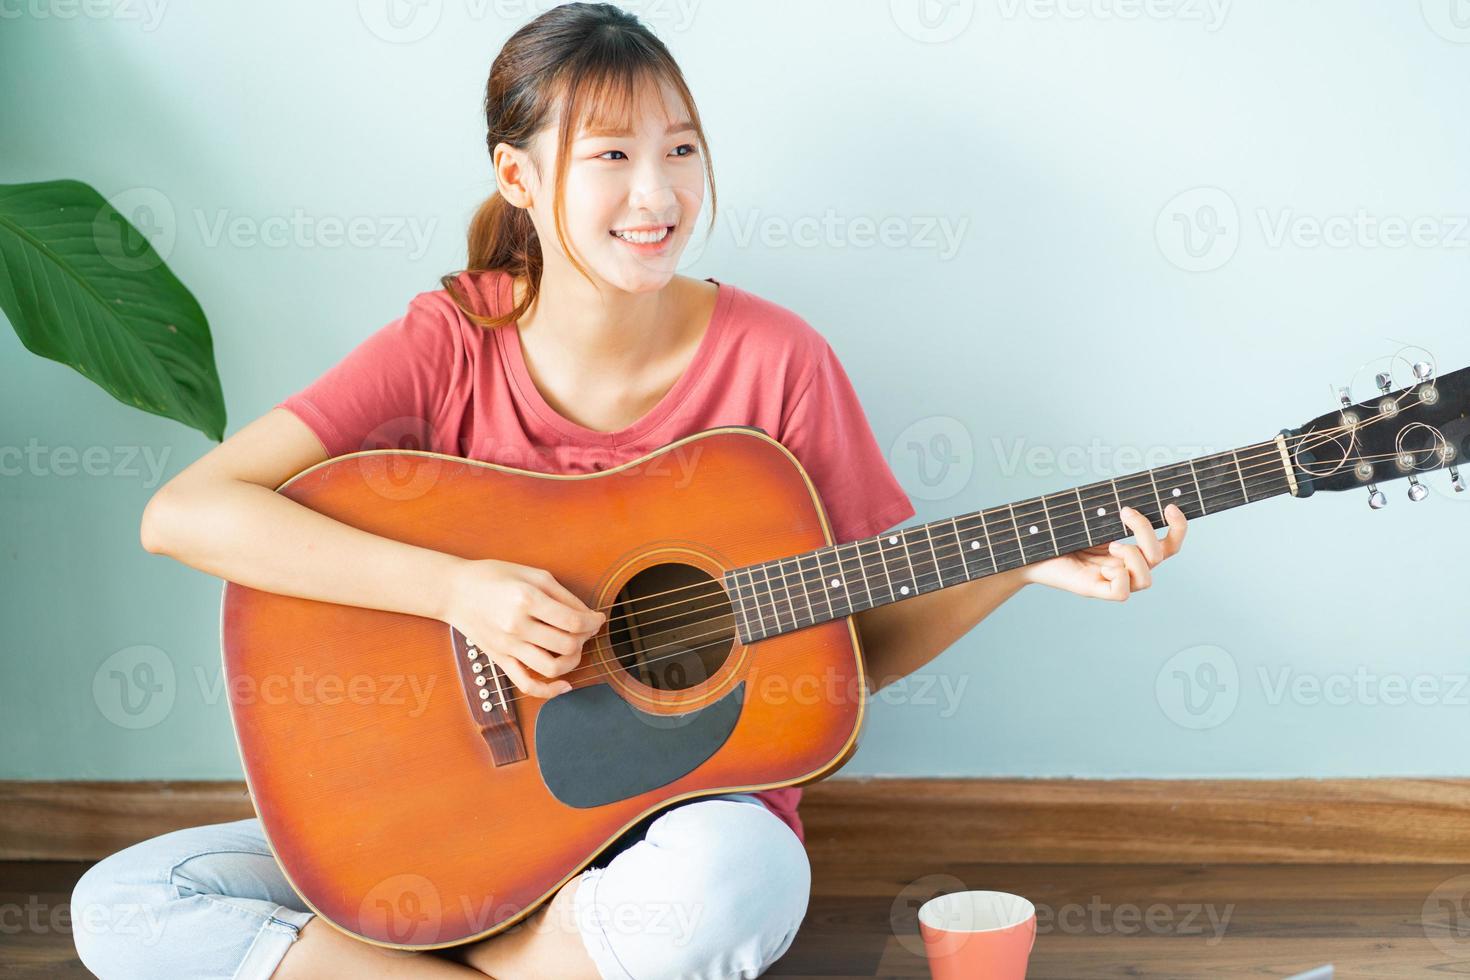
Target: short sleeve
x=828, y=432
x=387, y=393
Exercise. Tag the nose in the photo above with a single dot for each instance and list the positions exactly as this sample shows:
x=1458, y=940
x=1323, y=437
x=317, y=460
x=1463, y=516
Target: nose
x=653, y=191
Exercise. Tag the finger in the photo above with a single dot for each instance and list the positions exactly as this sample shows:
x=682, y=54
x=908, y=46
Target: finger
x=1118, y=584
x=1178, y=525
x=1147, y=538
x=556, y=612
x=566, y=595
x=539, y=660
x=559, y=643
x=523, y=680
x=1138, y=574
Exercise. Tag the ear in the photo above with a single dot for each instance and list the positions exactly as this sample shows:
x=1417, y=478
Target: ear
x=513, y=175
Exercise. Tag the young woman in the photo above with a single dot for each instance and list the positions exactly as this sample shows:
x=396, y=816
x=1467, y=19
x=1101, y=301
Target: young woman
x=568, y=345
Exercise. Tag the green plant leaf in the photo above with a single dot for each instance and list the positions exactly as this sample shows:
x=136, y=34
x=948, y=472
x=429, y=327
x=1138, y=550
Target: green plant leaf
x=82, y=286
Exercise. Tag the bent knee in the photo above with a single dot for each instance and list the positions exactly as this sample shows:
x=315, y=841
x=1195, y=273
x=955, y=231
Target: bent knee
x=116, y=916
x=746, y=867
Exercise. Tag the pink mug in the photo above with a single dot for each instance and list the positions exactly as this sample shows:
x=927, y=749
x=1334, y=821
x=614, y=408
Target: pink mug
x=975, y=934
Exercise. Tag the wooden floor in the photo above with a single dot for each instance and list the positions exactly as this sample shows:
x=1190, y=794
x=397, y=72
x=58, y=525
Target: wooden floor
x=1133, y=920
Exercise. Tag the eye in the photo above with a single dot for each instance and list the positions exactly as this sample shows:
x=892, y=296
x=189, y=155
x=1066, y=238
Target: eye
x=601, y=155
x=685, y=146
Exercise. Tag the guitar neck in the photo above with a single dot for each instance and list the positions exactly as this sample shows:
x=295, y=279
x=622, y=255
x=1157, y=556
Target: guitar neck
x=797, y=591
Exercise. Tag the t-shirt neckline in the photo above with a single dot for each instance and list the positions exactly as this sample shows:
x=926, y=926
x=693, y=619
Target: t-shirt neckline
x=531, y=395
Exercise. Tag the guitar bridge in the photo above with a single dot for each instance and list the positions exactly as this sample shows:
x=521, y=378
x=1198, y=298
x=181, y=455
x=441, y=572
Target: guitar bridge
x=490, y=699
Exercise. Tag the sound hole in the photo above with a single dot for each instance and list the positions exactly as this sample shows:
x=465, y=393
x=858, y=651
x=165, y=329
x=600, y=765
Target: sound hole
x=671, y=626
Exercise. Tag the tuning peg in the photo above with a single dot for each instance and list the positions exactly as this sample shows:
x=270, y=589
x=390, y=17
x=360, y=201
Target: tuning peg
x=1456, y=482
x=1423, y=371
x=1384, y=381
x=1345, y=397
x=1376, y=499
x=1417, y=490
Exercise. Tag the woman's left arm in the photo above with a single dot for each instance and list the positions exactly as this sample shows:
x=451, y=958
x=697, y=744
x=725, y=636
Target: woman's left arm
x=900, y=637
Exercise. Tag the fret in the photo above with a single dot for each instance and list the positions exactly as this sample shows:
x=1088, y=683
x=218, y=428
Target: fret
x=1157, y=502
x=949, y=561
x=1005, y=540
x=922, y=558
x=1069, y=522
x=858, y=569
x=1122, y=530
x=895, y=559
x=758, y=624
x=809, y=576
x=964, y=551
x=742, y=613
x=1200, y=494
x=1028, y=517
x=972, y=542
x=1138, y=497
x=775, y=600
x=989, y=548
x=1241, y=474
x=1051, y=531
x=831, y=581
x=1099, y=501
x=1219, y=482
x=1176, y=484
x=877, y=569
x=1082, y=509
x=909, y=561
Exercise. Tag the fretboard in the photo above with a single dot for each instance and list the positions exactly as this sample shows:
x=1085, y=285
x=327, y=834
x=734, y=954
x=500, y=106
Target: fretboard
x=797, y=591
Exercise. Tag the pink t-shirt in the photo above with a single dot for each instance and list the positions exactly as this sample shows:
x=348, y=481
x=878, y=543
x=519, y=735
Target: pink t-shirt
x=434, y=380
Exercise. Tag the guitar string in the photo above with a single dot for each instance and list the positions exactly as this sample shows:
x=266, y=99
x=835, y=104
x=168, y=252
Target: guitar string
x=594, y=670
x=1324, y=435
x=1272, y=458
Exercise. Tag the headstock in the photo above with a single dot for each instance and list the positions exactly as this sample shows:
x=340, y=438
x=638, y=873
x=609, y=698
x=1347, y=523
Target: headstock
x=1397, y=434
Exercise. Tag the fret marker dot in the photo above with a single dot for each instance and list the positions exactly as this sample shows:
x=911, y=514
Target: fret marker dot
x=1175, y=491
x=974, y=545
x=836, y=583
x=1033, y=529
x=893, y=539
x=904, y=589
x=1101, y=511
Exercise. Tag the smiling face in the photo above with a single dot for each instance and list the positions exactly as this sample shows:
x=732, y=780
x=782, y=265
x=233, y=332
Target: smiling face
x=633, y=190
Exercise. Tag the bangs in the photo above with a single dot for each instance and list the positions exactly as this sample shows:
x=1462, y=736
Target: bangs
x=606, y=90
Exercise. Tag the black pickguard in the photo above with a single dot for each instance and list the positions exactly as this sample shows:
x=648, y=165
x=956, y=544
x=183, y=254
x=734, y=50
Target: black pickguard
x=595, y=748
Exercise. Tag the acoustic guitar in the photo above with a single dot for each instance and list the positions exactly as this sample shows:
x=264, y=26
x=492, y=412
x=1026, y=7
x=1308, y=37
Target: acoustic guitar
x=416, y=800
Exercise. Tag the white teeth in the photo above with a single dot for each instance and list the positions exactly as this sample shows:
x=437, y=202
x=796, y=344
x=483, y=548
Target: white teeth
x=642, y=237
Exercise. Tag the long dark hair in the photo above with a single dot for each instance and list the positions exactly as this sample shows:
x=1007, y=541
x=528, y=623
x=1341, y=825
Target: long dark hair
x=583, y=58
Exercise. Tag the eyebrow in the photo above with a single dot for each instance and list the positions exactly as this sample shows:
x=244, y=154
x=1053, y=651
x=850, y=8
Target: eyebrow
x=678, y=127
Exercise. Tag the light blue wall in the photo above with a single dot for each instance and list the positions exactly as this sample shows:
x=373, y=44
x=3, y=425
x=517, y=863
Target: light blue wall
x=1053, y=140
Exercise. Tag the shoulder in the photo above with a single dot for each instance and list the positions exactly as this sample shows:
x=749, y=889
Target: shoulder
x=779, y=338
x=437, y=322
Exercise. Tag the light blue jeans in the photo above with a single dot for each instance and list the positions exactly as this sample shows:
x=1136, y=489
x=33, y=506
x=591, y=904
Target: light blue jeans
x=710, y=888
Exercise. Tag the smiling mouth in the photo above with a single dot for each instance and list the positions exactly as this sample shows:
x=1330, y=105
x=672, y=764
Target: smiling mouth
x=643, y=237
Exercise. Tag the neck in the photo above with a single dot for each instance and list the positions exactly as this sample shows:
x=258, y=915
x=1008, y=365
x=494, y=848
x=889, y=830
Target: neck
x=603, y=324
x=798, y=591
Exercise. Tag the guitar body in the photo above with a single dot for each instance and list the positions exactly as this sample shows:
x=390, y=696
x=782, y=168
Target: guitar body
x=408, y=813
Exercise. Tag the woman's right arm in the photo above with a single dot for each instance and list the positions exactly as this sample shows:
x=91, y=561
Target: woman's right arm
x=222, y=515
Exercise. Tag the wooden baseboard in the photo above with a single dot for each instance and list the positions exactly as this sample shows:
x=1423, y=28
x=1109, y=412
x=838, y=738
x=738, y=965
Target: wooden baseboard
x=1377, y=821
